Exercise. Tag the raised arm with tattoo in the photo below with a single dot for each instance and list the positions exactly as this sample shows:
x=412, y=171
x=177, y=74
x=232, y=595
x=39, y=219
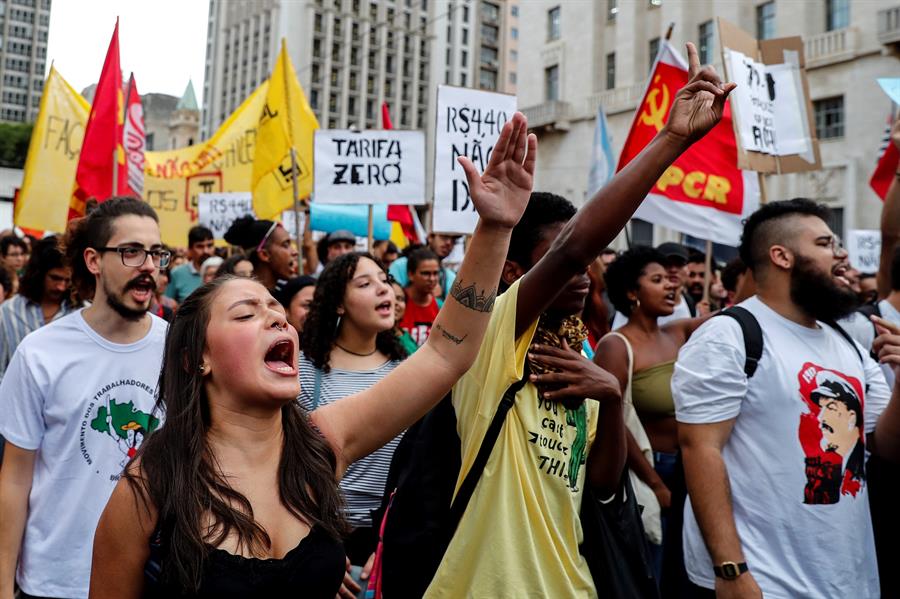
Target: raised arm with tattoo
x=696, y=109
x=500, y=195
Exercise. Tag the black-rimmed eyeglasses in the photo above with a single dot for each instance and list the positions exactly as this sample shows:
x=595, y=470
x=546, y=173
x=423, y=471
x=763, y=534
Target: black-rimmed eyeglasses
x=136, y=257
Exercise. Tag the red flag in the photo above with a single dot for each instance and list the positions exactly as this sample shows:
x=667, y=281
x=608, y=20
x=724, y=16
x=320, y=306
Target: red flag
x=885, y=171
x=134, y=141
x=400, y=213
x=102, y=138
x=703, y=193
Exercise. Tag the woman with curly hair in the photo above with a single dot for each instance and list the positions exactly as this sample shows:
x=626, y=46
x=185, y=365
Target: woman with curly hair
x=641, y=355
x=348, y=345
x=236, y=495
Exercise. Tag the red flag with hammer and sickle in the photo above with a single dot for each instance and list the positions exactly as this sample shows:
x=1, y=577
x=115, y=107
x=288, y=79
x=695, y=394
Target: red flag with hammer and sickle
x=703, y=193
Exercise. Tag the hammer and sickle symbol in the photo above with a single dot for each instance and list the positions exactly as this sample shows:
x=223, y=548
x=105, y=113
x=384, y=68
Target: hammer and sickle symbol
x=655, y=112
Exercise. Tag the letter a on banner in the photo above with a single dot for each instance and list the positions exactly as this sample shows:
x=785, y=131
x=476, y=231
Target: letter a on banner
x=286, y=122
x=52, y=157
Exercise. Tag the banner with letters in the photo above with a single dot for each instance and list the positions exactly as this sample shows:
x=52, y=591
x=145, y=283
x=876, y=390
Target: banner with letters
x=468, y=124
x=703, y=193
x=369, y=167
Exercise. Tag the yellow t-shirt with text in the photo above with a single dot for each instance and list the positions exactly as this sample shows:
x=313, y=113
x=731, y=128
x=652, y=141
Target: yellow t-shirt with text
x=520, y=533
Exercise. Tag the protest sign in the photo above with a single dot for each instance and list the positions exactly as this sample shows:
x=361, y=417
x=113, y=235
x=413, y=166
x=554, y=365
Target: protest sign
x=468, y=124
x=218, y=210
x=864, y=247
x=891, y=86
x=773, y=117
x=369, y=167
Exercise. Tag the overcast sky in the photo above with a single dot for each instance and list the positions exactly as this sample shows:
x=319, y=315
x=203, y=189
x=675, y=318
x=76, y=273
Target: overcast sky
x=162, y=41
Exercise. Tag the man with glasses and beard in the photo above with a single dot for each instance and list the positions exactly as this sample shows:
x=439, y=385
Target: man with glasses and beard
x=76, y=400
x=755, y=448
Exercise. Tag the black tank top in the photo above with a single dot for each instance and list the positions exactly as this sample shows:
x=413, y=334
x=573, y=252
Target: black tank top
x=312, y=569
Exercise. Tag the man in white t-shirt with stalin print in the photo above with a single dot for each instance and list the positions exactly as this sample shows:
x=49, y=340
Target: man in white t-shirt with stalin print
x=77, y=400
x=775, y=463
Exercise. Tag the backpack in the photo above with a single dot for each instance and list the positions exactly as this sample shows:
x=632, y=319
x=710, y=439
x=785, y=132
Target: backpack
x=423, y=513
x=753, y=337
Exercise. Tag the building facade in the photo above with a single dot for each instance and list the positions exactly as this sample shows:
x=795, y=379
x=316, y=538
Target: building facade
x=24, y=30
x=599, y=52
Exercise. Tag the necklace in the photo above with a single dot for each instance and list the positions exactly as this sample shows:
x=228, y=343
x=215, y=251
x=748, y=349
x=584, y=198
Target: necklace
x=353, y=353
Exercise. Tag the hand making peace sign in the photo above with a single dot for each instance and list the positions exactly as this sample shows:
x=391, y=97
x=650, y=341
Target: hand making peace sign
x=698, y=106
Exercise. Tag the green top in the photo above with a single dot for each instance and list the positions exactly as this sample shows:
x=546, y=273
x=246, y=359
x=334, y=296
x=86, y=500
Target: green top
x=408, y=344
x=651, y=390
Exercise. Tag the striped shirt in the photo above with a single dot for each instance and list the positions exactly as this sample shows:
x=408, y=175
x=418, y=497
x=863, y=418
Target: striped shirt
x=363, y=483
x=18, y=317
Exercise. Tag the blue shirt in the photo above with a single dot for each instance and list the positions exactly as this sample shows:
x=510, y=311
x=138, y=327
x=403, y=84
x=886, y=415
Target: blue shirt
x=18, y=317
x=183, y=280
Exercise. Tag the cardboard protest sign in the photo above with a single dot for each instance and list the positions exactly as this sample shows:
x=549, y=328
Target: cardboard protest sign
x=369, y=167
x=772, y=114
x=468, y=124
x=864, y=247
x=218, y=210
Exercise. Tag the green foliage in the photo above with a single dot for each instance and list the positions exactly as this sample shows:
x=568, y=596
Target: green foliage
x=14, y=139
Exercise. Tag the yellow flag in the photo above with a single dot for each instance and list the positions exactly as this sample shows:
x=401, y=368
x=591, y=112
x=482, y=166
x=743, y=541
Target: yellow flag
x=43, y=201
x=174, y=179
x=286, y=121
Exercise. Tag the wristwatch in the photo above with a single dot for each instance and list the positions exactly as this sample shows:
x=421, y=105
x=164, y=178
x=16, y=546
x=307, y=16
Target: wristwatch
x=730, y=570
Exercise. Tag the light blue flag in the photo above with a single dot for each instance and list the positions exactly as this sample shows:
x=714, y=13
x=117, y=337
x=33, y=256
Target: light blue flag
x=603, y=164
x=332, y=217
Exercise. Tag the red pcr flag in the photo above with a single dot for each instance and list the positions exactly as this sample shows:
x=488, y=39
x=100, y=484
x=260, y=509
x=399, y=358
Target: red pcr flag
x=703, y=193
x=398, y=212
x=134, y=141
x=102, y=145
x=884, y=172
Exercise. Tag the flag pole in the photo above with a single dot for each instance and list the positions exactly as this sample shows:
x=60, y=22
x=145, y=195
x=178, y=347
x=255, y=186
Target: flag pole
x=294, y=174
x=294, y=168
x=371, y=232
x=708, y=274
x=115, y=173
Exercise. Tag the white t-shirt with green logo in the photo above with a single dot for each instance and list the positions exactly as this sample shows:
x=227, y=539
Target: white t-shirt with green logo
x=84, y=405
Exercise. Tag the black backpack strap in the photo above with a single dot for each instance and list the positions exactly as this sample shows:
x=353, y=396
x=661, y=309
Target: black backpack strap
x=753, y=337
x=847, y=336
x=458, y=507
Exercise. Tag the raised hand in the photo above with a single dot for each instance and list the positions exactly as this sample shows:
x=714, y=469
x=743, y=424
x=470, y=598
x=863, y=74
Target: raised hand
x=501, y=193
x=698, y=106
x=887, y=344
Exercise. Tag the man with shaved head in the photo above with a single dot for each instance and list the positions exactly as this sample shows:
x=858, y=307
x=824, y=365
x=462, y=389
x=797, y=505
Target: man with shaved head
x=773, y=450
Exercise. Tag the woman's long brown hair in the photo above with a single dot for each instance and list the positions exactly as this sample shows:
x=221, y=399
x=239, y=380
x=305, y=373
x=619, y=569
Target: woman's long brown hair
x=179, y=474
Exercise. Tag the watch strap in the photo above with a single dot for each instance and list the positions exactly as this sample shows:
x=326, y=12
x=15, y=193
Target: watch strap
x=730, y=570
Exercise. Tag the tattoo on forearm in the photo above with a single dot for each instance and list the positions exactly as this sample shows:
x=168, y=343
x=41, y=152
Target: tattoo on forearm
x=450, y=336
x=469, y=297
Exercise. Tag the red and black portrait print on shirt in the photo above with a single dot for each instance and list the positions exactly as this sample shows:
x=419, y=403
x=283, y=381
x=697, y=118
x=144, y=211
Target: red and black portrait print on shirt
x=832, y=434
x=417, y=320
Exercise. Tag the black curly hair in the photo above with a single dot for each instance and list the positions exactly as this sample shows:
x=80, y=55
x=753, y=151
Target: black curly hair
x=622, y=275
x=544, y=209
x=320, y=331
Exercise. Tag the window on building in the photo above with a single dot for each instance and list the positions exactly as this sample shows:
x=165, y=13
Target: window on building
x=551, y=83
x=465, y=36
x=465, y=16
x=488, y=80
x=553, y=23
x=512, y=78
x=611, y=70
x=641, y=232
x=612, y=9
x=514, y=11
x=514, y=33
x=654, y=50
x=489, y=34
x=490, y=12
x=705, y=42
x=836, y=221
x=464, y=58
x=765, y=21
x=489, y=56
x=513, y=55
x=463, y=80
x=837, y=14
x=829, y=117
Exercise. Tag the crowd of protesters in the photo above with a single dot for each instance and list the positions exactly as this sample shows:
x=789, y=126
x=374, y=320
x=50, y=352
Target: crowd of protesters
x=253, y=420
